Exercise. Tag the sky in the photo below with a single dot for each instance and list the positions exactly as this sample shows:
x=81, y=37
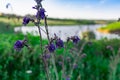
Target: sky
x=75, y=9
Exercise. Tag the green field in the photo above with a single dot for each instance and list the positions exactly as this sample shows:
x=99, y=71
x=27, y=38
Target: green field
x=52, y=21
x=99, y=64
x=112, y=27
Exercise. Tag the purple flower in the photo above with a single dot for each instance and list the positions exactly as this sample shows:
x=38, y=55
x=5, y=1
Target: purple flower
x=46, y=56
x=67, y=78
x=75, y=39
x=51, y=47
x=41, y=13
x=26, y=20
x=59, y=43
x=18, y=45
x=75, y=66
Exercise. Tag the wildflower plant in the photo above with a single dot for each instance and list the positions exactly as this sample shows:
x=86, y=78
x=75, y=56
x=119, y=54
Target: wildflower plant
x=69, y=60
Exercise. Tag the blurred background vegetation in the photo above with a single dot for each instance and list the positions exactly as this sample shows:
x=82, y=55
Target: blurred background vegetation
x=101, y=63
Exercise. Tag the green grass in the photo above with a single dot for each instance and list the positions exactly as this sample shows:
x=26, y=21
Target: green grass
x=54, y=21
x=112, y=27
x=51, y=22
x=13, y=65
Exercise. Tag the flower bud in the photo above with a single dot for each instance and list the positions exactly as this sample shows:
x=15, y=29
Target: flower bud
x=26, y=20
x=51, y=47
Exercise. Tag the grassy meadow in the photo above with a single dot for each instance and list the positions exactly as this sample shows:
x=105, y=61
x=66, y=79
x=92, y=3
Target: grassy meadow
x=99, y=64
x=111, y=28
x=17, y=21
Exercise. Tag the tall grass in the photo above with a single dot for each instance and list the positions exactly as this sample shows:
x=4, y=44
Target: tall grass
x=97, y=65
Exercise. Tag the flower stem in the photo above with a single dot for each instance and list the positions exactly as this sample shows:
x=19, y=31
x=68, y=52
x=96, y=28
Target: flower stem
x=47, y=70
x=53, y=62
x=63, y=65
x=41, y=47
x=40, y=40
x=46, y=27
x=77, y=58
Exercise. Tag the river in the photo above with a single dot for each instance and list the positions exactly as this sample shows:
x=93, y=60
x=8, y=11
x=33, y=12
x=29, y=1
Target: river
x=66, y=31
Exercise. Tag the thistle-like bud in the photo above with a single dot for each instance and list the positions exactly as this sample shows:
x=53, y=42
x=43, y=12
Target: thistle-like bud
x=26, y=20
x=41, y=13
x=18, y=45
x=51, y=47
x=75, y=39
x=59, y=43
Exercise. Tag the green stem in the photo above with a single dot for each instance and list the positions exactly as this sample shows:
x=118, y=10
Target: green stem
x=63, y=65
x=78, y=56
x=46, y=68
x=40, y=40
x=55, y=69
x=46, y=27
x=114, y=74
x=41, y=47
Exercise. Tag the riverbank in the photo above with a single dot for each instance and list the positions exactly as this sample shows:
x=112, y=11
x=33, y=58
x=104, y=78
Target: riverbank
x=111, y=28
x=7, y=24
x=17, y=21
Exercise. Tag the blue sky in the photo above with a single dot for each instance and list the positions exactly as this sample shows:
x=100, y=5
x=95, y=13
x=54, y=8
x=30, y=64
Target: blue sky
x=80, y=9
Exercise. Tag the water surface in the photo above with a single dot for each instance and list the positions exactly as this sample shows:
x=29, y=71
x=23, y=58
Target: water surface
x=66, y=31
